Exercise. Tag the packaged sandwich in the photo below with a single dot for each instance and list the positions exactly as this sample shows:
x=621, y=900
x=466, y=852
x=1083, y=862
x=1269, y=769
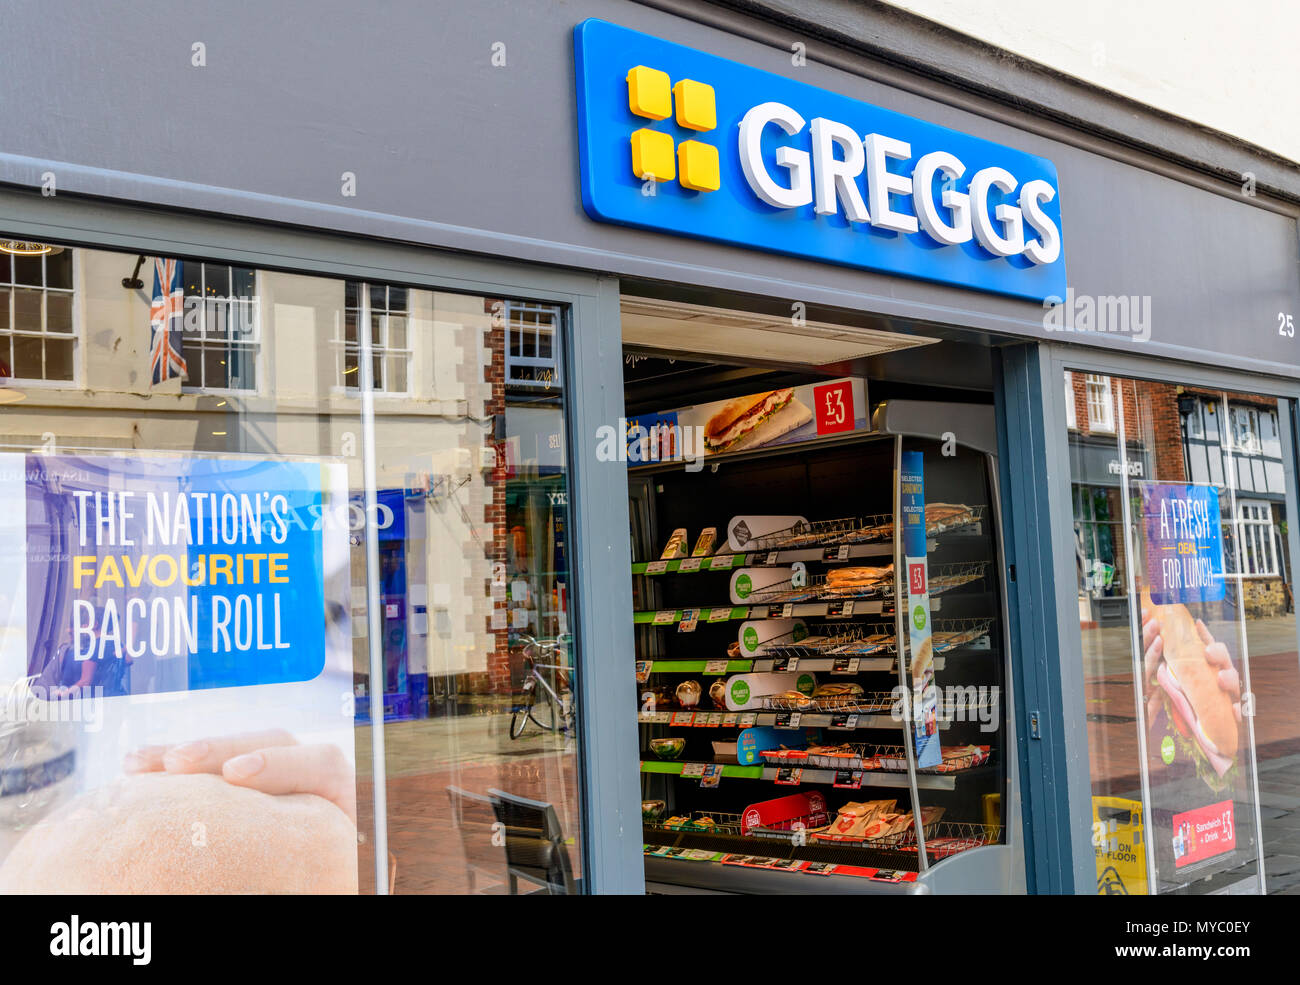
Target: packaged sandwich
x=856, y=579
x=676, y=547
x=704, y=545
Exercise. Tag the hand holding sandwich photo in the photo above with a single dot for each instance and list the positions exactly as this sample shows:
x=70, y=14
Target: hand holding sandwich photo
x=1191, y=680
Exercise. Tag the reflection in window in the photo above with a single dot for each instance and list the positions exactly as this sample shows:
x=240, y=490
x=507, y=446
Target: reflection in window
x=1101, y=408
x=385, y=311
x=36, y=336
x=530, y=352
x=1257, y=537
x=1071, y=419
x=221, y=335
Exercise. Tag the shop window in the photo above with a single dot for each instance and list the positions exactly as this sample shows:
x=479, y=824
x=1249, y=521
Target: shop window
x=385, y=309
x=1101, y=408
x=531, y=357
x=36, y=326
x=221, y=326
x=1071, y=418
x=1257, y=539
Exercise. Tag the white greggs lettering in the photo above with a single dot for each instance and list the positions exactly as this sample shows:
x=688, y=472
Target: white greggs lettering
x=828, y=179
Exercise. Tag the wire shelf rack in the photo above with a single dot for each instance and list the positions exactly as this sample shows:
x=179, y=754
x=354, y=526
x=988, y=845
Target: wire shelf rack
x=714, y=822
x=838, y=640
x=949, y=634
x=945, y=577
x=893, y=759
x=868, y=703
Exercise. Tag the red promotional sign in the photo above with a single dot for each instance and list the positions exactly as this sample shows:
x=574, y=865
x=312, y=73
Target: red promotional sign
x=916, y=578
x=1203, y=833
x=835, y=412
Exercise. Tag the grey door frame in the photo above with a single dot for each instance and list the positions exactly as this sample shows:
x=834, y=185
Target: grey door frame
x=1053, y=362
x=601, y=545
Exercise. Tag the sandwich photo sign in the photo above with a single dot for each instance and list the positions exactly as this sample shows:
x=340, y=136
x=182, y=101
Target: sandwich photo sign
x=1198, y=759
x=763, y=419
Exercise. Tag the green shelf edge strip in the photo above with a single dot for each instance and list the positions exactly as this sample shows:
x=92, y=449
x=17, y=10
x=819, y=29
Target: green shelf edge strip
x=697, y=666
x=675, y=769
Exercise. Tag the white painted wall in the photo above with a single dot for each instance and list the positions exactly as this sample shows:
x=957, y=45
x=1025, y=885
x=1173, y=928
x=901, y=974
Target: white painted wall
x=1234, y=67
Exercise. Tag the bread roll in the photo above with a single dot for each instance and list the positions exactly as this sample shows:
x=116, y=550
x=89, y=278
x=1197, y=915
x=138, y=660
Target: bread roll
x=186, y=833
x=1184, y=652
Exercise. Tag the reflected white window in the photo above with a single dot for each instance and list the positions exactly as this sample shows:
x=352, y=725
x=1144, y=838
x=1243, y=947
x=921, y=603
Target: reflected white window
x=220, y=326
x=1256, y=538
x=1071, y=418
x=385, y=312
x=36, y=297
x=1101, y=407
x=531, y=355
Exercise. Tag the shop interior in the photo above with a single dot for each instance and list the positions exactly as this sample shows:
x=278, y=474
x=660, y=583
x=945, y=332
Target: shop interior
x=765, y=513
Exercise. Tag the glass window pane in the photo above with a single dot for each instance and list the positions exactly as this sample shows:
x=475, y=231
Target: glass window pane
x=395, y=374
x=396, y=332
x=58, y=269
x=216, y=374
x=58, y=359
x=350, y=326
x=58, y=312
x=27, y=310
x=378, y=297
x=191, y=276
x=216, y=280
x=29, y=270
x=28, y=363
x=1204, y=590
x=377, y=330
x=350, y=294
x=4, y=309
x=351, y=376
x=397, y=299
x=244, y=282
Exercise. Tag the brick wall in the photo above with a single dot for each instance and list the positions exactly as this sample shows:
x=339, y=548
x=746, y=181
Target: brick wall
x=498, y=662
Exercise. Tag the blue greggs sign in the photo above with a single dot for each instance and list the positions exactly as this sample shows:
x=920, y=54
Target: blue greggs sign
x=679, y=141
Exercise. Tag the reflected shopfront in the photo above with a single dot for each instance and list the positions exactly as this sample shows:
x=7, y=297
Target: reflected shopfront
x=244, y=511
x=1189, y=636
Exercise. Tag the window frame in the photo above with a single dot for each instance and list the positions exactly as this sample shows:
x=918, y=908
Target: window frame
x=1096, y=426
x=256, y=346
x=382, y=352
x=75, y=335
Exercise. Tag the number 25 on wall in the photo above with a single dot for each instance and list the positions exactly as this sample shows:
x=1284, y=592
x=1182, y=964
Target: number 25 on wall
x=1285, y=325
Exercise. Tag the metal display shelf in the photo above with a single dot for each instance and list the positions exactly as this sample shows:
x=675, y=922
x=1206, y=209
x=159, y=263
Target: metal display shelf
x=813, y=719
x=789, y=610
x=763, y=559
x=870, y=778
x=815, y=664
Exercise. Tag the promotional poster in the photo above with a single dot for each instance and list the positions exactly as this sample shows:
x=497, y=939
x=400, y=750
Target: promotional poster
x=1198, y=756
x=178, y=627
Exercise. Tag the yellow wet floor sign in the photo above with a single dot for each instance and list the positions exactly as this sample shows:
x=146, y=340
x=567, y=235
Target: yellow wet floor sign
x=1117, y=839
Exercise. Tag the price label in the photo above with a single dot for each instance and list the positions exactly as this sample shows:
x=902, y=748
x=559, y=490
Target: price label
x=690, y=770
x=845, y=665
x=844, y=721
x=722, y=562
x=788, y=719
x=748, y=719
x=774, y=611
x=701, y=719
x=729, y=720
x=662, y=717
x=848, y=779
x=690, y=564
x=643, y=668
x=848, y=608
x=690, y=617
x=711, y=775
x=656, y=567
x=820, y=868
x=715, y=718
x=787, y=610
x=683, y=717
x=785, y=663
x=773, y=557
x=715, y=666
x=719, y=615
x=789, y=776
x=890, y=875
x=665, y=617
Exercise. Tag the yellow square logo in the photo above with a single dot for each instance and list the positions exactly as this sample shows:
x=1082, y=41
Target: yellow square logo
x=649, y=93
x=699, y=166
x=695, y=105
x=652, y=155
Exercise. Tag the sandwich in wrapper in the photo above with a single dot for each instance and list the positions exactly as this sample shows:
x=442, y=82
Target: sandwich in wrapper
x=754, y=420
x=1199, y=710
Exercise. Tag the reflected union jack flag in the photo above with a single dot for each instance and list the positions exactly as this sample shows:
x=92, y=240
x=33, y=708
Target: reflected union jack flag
x=166, y=322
